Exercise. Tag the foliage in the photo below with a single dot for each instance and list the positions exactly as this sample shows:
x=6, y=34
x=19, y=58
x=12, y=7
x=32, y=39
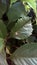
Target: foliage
x=15, y=23
x=1, y=44
x=30, y=2
x=3, y=7
x=3, y=30
x=27, y=50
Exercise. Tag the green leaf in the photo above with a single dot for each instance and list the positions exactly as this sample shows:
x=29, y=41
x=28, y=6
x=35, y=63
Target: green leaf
x=1, y=44
x=24, y=32
x=15, y=11
x=3, y=30
x=20, y=23
x=32, y=39
x=3, y=58
x=3, y=7
x=13, y=1
x=27, y=50
x=31, y=3
x=11, y=25
x=35, y=28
